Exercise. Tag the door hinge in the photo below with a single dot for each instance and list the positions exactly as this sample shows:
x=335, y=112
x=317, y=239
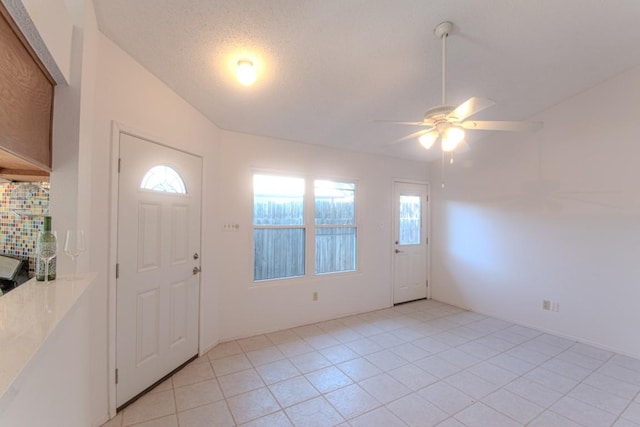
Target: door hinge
x=117, y=271
x=427, y=242
x=427, y=283
x=119, y=161
x=116, y=376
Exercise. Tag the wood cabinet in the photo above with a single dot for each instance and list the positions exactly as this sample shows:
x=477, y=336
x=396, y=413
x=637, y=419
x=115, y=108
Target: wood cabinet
x=26, y=106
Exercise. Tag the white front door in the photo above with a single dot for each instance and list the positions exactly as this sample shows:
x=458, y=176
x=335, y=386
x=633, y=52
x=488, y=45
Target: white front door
x=159, y=192
x=410, y=264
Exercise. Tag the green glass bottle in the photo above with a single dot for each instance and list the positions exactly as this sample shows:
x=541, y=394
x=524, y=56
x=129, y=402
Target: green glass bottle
x=46, y=251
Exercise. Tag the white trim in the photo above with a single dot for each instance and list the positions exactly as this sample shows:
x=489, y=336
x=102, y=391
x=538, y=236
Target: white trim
x=428, y=241
x=309, y=226
x=116, y=128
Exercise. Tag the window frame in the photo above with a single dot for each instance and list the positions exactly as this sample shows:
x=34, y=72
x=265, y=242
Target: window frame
x=353, y=225
x=303, y=226
x=308, y=225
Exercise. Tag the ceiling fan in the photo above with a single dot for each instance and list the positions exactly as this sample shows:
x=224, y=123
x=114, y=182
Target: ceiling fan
x=447, y=123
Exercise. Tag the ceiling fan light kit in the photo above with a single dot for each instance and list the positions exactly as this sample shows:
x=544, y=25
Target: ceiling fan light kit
x=447, y=123
x=428, y=139
x=451, y=138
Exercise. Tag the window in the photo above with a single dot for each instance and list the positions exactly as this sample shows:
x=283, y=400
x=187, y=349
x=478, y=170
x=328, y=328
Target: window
x=335, y=221
x=164, y=179
x=283, y=218
x=279, y=232
x=409, y=220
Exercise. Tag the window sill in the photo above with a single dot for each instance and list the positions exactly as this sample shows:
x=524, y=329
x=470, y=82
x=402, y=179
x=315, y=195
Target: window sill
x=301, y=280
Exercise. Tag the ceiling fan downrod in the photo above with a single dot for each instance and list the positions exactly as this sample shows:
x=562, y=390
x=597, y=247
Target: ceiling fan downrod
x=442, y=31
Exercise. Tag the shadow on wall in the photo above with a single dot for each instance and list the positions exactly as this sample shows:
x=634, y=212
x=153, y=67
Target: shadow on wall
x=536, y=179
x=479, y=250
x=560, y=211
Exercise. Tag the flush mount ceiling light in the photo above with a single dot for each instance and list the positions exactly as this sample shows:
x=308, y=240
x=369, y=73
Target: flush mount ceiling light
x=246, y=72
x=447, y=123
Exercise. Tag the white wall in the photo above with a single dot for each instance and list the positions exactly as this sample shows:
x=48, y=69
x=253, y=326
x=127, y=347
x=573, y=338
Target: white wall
x=231, y=305
x=500, y=258
x=128, y=94
x=249, y=308
x=66, y=358
x=54, y=389
x=552, y=215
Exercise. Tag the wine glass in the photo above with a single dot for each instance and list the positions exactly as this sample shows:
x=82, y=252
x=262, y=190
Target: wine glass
x=74, y=245
x=46, y=250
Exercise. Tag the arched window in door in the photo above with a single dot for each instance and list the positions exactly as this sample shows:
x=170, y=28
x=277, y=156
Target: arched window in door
x=164, y=179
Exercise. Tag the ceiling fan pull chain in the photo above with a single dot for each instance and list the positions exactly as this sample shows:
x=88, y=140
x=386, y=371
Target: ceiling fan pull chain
x=442, y=168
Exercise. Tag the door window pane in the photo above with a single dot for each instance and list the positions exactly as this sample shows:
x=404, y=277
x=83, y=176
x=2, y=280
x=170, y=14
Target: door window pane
x=164, y=179
x=335, y=249
x=409, y=222
x=279, y=253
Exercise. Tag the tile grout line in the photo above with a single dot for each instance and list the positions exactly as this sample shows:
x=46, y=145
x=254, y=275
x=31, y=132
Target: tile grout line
x=392, y=325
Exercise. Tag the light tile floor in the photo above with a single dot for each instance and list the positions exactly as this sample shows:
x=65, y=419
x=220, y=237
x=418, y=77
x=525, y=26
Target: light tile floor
x=419, y=364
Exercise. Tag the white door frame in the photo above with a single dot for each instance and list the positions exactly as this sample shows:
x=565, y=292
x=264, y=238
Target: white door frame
x=116, y=129
x=394, y=219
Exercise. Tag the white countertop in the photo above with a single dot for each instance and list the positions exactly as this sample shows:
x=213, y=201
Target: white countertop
x=28, y=315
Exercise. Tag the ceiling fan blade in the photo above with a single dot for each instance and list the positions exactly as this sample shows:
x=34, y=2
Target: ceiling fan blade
x=412, y=135
x=393, y=122
x=502, y=125
x=470, y=107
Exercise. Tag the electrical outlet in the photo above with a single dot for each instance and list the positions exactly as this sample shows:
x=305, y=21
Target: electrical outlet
x=315, y=296
x=546, y=304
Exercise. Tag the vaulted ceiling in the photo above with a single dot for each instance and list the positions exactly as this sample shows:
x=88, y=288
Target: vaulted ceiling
x=328, y=68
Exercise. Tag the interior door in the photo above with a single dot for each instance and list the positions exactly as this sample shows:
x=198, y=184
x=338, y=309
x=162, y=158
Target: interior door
x=410, y=259
x=157, y=285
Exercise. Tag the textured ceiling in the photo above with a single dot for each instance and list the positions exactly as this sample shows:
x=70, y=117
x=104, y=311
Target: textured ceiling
x=327, y=68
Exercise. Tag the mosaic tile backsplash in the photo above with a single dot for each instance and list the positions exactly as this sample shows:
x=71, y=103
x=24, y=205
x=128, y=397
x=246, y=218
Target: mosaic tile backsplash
x=22, y=207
